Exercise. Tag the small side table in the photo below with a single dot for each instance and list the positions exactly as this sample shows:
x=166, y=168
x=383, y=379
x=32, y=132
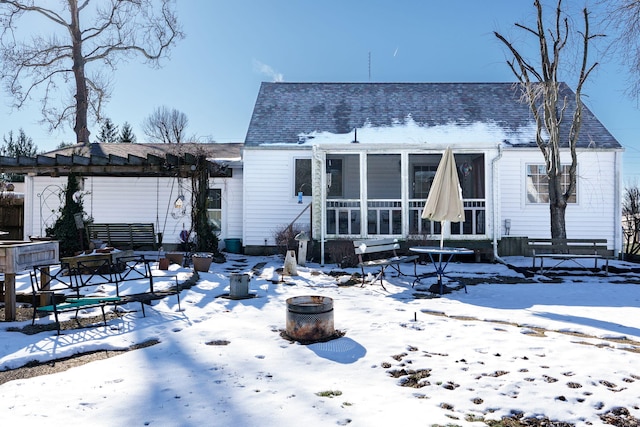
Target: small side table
x=440, y=263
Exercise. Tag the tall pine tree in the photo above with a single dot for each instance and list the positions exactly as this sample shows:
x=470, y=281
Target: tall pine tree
x=14, y=147
x=108, y=131
x=20, y=146
x=126, y=133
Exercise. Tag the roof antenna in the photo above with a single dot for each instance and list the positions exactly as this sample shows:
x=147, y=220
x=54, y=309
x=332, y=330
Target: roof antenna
x=369, y=65
x=355, y=136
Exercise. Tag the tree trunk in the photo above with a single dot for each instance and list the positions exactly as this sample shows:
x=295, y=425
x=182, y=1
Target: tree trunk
x=558, y=229
x=81, y=127
x=557, y=205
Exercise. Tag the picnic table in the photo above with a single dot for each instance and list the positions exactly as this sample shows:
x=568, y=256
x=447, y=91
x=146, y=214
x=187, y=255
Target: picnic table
x=80, y=274
x=96, y=258
x=574, y=251
x=440, y=258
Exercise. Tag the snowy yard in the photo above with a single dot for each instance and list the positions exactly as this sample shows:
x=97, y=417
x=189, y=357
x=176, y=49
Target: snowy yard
x=518, y=346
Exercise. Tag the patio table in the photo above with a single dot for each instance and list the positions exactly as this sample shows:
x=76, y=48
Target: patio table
x=440, y=258
x=96, y=258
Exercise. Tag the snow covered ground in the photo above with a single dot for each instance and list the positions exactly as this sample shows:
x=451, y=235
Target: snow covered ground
x=567, y=351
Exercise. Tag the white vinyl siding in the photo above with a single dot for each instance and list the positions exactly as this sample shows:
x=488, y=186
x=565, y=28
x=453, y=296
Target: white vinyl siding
x=269, y=203
x=231, y=204
x=135, y=199
x=593, y=216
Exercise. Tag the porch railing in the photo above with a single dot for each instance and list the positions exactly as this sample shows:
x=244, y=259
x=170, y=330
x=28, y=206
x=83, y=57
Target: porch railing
x=384, y=217
x=343, y=217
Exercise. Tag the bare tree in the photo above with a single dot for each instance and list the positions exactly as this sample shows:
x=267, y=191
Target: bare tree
x=549, y=106
x=623, y=17
x=45, y=64
x=631, y=219
x=165, y=125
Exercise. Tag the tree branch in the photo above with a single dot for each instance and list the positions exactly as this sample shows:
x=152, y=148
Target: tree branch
x=118, y=29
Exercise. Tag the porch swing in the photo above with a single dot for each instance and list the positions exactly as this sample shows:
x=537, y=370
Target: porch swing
x=177, y=209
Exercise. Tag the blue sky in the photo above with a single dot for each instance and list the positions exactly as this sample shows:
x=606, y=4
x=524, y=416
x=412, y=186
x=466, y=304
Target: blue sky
x=214, y=74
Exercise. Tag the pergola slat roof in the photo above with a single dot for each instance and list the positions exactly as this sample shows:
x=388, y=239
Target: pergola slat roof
x=125, y=159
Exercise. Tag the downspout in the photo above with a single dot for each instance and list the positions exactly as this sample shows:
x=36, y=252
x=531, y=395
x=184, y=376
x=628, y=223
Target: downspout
x=29, y=207
x=318, y=157
x=618, y=245
x=496, y=219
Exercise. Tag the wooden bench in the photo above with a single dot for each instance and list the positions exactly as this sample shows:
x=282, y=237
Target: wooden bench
x=569, y=250
x=124, y=236
x=62, y=291
x=76, y=304
x=381, y=253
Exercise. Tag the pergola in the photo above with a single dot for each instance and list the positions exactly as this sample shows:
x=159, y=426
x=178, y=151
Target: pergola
x=126, y=159
x=185, y=160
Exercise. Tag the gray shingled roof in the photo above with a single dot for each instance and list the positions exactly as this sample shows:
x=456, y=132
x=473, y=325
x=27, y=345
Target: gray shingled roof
x=285, y=110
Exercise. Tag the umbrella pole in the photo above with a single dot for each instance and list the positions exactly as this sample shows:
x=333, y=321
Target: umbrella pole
x=442, y=223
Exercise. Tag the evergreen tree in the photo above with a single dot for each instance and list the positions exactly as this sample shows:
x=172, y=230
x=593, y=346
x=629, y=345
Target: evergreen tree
x=64, y=145
x=14, y=147
x=20, y=146
x=64, y=229
x=126, y=133
x=108, y=131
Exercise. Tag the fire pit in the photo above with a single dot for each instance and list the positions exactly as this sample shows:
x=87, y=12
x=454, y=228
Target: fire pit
x=310, y=318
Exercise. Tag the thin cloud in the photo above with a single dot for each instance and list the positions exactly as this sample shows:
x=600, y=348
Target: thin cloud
x=268, y=71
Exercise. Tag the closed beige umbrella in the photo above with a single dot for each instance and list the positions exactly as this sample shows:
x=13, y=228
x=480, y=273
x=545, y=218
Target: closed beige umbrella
x=444, y=202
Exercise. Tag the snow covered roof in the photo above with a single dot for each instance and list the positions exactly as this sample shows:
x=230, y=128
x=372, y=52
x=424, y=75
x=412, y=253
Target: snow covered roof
x=431, y=113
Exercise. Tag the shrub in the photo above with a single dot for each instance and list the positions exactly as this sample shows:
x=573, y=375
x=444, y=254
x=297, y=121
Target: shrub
x=285, y=238
x=342, y=253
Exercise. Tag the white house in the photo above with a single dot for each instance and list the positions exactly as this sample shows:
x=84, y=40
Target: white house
x=363, y=155
x=345, y=161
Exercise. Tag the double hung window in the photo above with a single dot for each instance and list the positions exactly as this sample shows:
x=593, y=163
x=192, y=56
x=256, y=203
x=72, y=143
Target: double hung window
x=538, y=184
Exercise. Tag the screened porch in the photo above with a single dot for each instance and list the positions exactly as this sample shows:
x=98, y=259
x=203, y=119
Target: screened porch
x=392, y=193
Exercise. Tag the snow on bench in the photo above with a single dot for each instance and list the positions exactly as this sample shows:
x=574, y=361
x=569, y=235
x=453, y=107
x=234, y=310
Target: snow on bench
x=370, y=254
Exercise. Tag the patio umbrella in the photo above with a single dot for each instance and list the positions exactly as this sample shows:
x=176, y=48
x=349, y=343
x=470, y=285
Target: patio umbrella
x=444, y=202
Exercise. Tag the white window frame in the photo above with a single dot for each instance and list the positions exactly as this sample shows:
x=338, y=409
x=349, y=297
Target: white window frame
x=220, y=209
x=543, y=168
x=309, y=190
